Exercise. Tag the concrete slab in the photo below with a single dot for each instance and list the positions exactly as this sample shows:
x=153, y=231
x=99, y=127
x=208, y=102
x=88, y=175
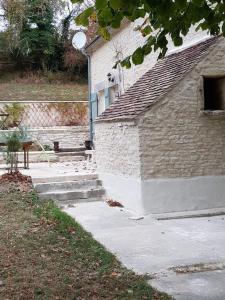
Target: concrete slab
x=154, y=247
x=46, y=170
x=191, y=214
x=201, y=286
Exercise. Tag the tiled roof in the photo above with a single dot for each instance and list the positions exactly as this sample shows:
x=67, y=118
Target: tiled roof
x=157, y=82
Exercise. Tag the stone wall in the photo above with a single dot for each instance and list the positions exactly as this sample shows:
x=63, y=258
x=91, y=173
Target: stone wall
x=126, y=41
x=71, y=136
x=177, y=138
x=118, y=162
x=117, y=148
x=49, y=114
x=175, y=161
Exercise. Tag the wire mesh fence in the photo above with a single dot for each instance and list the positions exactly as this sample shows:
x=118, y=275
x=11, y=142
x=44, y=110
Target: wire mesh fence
x=42, y=114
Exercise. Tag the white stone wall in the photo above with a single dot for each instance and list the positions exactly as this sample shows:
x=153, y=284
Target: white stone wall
x=34, y=157
x=71, y=136
x=117, y=149
x=175, y=162
x=67, y=136
x=118, y=162
x=126, y=41
x=176, y=138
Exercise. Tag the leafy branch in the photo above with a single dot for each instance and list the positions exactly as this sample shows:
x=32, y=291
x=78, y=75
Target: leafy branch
x=162, y=20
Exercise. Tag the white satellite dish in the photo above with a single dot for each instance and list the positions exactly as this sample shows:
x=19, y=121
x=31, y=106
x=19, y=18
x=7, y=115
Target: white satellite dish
x=79, y=40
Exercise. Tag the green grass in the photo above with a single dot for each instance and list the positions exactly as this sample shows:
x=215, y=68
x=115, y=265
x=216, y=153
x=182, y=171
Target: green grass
x=12, y=91
x=46, y=254
x=42, y=86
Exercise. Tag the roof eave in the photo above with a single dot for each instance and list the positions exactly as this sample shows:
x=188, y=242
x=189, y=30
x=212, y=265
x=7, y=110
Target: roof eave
x=116, y=119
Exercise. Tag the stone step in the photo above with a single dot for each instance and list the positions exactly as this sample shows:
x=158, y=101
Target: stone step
x=70, y=158
x=67, y=185
x=64, y=178
x=71, y=149
x=74, y=195
x=59, y=154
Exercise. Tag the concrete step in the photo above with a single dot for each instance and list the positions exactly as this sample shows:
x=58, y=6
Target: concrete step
x=72, y=149
x=60, y=154
x=71, y=158
x=74, y=195
x=64, y=178
x=67, y=185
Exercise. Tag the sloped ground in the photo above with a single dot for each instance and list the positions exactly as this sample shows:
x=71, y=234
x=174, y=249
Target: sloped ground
x=12, y=91
x=41, y=86
x=45, y=254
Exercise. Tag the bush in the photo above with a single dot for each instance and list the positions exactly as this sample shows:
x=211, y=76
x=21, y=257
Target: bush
x=15, y=111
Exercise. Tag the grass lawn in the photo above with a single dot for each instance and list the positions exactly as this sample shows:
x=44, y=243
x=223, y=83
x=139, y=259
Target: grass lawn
x=45, y=254
x=12, y=91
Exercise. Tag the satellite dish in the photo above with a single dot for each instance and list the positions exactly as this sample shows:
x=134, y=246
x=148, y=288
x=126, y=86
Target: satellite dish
x=79, y=40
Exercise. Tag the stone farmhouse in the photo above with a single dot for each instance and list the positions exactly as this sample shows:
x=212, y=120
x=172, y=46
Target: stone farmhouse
x=159, y=128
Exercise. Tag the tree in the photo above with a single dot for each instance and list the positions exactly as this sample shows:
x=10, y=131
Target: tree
x=37, y=35
x=33, y=37
x=12, y=15
x=161, y=20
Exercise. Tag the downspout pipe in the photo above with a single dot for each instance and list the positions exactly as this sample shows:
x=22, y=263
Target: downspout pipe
x=89, y=95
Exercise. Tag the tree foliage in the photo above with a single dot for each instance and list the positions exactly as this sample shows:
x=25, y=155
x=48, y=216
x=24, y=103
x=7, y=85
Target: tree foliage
x=162, y=20
x=39, y=40
x=38, y=34
x=33, y=38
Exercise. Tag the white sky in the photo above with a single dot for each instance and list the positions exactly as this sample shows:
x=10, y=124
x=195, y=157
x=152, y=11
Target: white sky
x=68, y=6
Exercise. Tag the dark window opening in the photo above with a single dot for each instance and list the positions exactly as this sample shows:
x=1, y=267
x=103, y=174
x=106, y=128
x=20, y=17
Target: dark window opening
x=214, y=93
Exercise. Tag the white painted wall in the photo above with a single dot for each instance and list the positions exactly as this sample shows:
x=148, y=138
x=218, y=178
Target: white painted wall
x=182, y=194
x=126, y=41
x=124, y=189
x=165, y=195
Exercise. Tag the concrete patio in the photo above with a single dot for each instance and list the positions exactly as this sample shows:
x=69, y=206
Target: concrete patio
x=183, y=257
x=52, y=170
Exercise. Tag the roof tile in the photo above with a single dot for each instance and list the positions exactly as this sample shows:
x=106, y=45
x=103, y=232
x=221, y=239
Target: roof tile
x=154, y=84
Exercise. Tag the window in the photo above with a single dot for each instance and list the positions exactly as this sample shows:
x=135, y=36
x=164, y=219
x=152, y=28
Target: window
x=101, y=102
x=214, y=93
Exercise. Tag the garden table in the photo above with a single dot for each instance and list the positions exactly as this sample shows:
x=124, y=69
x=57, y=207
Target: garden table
x=26, y=144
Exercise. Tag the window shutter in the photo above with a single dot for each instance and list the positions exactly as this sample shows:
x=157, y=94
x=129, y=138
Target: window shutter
x=107, y=98
x=94, y=106
x=93, y=110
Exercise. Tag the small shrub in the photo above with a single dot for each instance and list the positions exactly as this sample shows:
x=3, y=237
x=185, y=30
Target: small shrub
x=13, y=142
x=13, y=145
x=15, y=111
